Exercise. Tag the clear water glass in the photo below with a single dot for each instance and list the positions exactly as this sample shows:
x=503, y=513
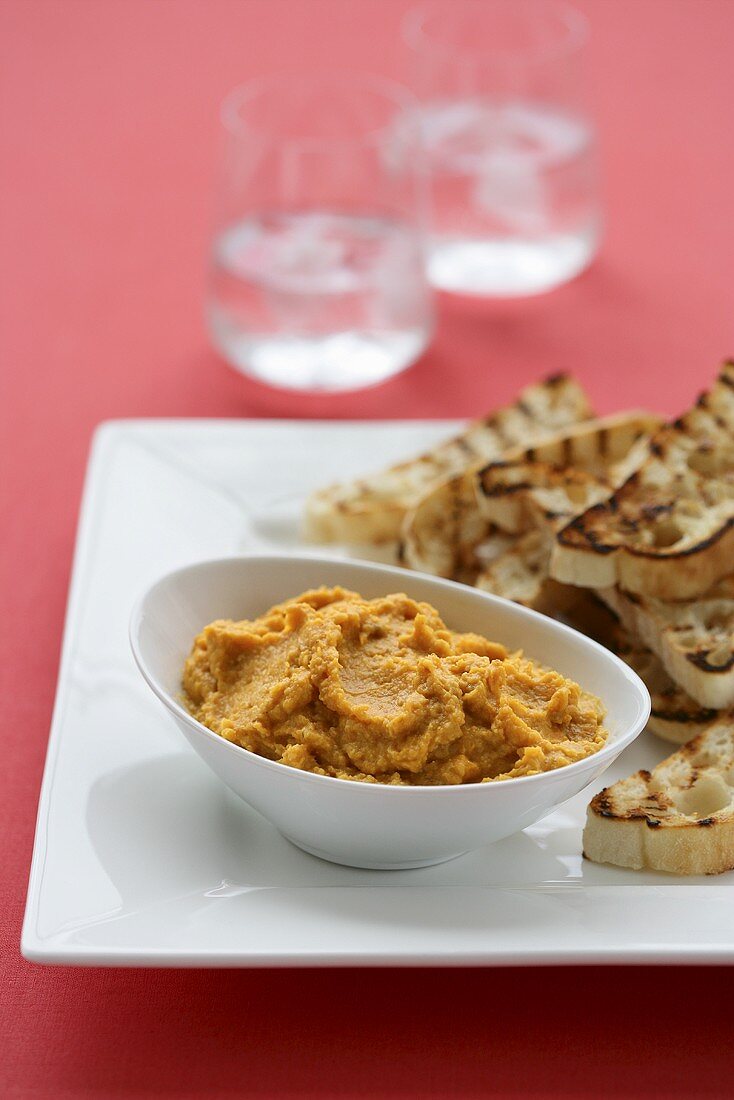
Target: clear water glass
x=317, y=275
x=511, y=148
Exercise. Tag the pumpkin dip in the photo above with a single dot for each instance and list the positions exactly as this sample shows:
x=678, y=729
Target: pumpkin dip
x=382, y=691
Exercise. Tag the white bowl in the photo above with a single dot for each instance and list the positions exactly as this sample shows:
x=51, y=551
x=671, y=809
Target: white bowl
x=366, y=824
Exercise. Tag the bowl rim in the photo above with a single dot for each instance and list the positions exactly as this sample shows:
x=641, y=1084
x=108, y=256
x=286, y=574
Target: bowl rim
x=606, y=754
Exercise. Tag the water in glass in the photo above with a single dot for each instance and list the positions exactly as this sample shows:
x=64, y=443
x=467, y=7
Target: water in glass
x=319, y=299
x=514, y=200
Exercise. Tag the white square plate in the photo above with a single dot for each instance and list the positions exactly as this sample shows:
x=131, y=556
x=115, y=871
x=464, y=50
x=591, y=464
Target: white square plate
x=142, y=857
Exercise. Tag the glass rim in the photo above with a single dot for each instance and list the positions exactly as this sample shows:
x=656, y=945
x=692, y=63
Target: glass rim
x=576, y=34
x=402, y=98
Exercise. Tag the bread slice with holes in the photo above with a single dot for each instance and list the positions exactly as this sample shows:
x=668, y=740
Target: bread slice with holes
x=372, y=509
x=677, y=818
x=694, y=639
x=668, y=531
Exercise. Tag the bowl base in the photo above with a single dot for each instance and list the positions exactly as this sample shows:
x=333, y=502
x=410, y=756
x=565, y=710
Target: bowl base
x=368, y=865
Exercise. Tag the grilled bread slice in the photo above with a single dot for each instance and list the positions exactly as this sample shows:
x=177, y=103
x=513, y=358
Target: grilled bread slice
x=668, y=531
x=444, y=533
x=694, y=639
x=519, y=496
x=674, y=717
x=371, y=510
x=550, y=483
x=449, y=536
x=678, y=818
x=452, y=531
x=520, y=573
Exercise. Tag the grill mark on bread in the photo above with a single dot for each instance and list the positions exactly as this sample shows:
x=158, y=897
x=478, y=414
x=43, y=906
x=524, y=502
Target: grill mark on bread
x=652, y=511
x=694, y=642
x=602, y=803
x=699, y=658
x=685, y=717
x=506, y=490
x=592, y=539
x=667, y=552
x=676, y=482
x=576, y=526
x=465, y=446
x=687, y=799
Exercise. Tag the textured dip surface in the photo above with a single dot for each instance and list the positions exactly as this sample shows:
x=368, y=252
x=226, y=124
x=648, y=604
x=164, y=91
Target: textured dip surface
x=382, y=691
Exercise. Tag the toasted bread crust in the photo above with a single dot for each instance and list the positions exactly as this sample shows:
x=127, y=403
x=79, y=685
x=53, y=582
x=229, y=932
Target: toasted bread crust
x=668, y=531
x=678, y=818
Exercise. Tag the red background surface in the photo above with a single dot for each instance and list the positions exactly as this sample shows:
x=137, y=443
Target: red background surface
x=108, y=136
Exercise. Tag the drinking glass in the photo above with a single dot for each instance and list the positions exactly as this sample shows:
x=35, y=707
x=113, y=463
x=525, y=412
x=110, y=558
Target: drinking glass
x=317, y=277
x=511, y=147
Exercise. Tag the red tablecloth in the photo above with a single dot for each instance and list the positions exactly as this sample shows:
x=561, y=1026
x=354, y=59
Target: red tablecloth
x=109, y=135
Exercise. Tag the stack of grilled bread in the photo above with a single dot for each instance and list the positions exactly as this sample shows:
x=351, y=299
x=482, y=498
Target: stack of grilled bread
x=623, y=526
x=373, y=509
